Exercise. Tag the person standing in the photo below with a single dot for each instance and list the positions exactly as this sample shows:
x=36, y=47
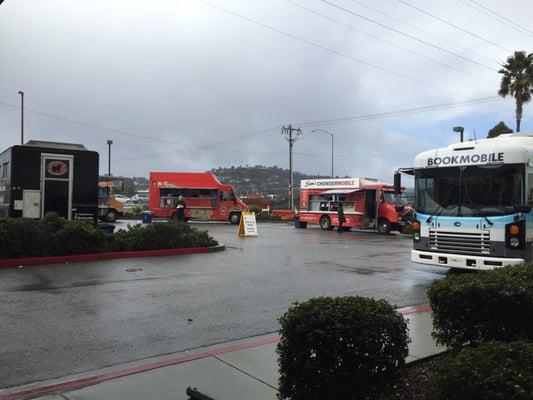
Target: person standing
x=340, y=217
x=180, y=209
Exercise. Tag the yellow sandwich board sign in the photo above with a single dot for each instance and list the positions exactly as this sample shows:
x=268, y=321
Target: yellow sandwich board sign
x=247, y=225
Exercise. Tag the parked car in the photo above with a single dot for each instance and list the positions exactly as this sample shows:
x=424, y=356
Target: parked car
x=122, y=198
x=140, y=198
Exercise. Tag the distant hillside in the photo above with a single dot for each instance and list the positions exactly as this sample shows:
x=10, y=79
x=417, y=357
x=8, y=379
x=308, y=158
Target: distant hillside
x=261, y=180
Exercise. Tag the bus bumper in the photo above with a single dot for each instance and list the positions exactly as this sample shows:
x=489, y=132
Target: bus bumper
x=462, y=261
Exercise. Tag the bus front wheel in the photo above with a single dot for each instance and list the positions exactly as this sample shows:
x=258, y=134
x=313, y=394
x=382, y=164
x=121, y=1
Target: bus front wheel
x=235, y=218
x=325, y=223
x=384, y=226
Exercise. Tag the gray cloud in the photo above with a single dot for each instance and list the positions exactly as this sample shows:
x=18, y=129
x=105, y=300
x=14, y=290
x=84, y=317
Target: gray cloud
x=183, y=72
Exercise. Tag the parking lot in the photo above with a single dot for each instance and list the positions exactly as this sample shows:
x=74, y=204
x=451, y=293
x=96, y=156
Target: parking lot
x=63, y=319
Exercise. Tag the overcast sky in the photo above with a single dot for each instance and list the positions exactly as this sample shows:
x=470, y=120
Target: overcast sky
x=188, y=85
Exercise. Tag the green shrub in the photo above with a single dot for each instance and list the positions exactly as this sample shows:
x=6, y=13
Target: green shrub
x=340, y=348
x=53, y=222
x=255, y=209
x=56, y=236
x=160, y=236
x=490, y=371
x=491, y=305
x=79, y=237
x=21, y=237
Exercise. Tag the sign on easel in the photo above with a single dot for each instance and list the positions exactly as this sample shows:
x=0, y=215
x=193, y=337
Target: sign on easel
x=248, y=225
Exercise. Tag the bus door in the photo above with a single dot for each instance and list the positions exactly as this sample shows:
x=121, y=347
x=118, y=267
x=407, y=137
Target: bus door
x=371, y=207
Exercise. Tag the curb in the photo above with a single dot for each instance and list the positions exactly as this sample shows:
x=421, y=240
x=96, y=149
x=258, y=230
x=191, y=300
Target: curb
x=14, y=262
x=99, y=378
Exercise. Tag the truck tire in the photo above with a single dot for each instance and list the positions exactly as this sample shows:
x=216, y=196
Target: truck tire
x=384, y=226
x=111, y=215
x=325, y=223
x=235, y=218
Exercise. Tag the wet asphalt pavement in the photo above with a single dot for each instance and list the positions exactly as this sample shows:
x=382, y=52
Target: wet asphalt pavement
x=62, y=319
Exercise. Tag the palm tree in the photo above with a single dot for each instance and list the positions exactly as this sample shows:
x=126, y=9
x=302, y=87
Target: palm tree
x=517, y=81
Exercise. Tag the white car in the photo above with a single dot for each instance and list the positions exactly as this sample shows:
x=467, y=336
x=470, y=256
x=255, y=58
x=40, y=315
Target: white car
x=140, y=198
x=122, y=198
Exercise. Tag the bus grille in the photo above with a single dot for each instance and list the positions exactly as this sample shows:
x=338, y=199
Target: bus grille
x=465, y=242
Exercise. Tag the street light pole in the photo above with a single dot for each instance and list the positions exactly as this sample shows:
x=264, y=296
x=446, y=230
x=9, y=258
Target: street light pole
x=459, y=129
x=21, y=117
x=109, y=143
x=330, y=134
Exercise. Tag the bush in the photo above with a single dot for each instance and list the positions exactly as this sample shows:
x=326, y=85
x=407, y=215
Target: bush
x=160, y=236
x=254, y=209
x=53, y=222
x=24, y=238
x=55, y=236
x=491, y=305
x=79, y=237
x=490, y=371
x=340, y=348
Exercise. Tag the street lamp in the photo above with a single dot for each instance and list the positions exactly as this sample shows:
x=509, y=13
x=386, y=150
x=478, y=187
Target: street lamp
x=330, y=134
x=21, y=117
x=109, y=143
x=459, y=129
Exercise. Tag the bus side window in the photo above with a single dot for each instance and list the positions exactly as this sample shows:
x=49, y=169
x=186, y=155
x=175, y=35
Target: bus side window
x=223, y=196
x=530, y=188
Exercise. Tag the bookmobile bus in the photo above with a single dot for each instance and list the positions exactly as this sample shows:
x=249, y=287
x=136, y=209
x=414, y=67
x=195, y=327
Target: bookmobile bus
x=473, y=203
x=367, y=203
x=205, y=197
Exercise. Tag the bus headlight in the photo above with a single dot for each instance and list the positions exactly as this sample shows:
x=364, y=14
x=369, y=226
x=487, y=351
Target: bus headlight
x=515, y=237
x=514, y=242
x=416, y=236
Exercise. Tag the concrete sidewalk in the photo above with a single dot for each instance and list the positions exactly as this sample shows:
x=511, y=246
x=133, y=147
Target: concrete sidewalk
x=244, y=369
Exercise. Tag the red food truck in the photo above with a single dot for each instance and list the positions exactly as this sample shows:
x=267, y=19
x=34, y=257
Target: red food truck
x=205, y=197
x=367, y=203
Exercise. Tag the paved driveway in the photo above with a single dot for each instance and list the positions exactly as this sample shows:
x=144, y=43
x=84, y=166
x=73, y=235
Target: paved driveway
x=62, y=319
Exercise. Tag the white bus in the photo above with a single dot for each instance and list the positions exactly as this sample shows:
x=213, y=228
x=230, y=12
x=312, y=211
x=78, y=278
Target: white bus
x=473, y=203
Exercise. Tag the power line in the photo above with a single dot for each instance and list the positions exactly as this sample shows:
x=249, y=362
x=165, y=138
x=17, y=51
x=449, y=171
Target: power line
x=423, y=31
x=455, y=26
x=494, y=17
x=244, y=137
x=389, y=42
x=359, y=118
x=511, y=22
x=408, y=35
x=319, y=46
x=402, y=112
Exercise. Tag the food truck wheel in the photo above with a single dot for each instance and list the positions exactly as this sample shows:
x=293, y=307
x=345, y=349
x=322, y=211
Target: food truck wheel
x=111, y=216
x=235, y=218
x=384, y=227
x=325, y=223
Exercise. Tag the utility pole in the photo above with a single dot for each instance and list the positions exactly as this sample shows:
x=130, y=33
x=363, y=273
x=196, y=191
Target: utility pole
x=291, y=135
x=109, y=143
x=21, y=117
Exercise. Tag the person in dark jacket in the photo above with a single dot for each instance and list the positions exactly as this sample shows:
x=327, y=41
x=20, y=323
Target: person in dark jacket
x=180, y=209
x=340, y=217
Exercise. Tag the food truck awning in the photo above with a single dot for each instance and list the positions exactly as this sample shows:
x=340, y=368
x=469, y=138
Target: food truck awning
x=340, y=191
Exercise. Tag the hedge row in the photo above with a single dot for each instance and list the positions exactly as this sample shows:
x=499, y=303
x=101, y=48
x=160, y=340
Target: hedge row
x=486, y=319
x=55, y=236
x=489, y=305
x=354, y=347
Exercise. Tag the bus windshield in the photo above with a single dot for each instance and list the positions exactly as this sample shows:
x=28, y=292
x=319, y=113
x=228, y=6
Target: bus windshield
x=475, y=190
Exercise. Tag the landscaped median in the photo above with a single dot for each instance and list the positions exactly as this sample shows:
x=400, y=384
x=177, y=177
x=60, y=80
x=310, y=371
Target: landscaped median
x=354, y=347
x=56, y=240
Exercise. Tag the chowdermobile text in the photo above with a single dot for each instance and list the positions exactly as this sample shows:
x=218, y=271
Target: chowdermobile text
x=466, y=159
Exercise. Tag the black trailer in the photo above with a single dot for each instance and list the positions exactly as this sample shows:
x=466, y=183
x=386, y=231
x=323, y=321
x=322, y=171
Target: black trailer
x=40, y=177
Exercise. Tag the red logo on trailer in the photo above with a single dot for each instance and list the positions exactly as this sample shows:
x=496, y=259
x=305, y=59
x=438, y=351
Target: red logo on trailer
x=57, y=168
